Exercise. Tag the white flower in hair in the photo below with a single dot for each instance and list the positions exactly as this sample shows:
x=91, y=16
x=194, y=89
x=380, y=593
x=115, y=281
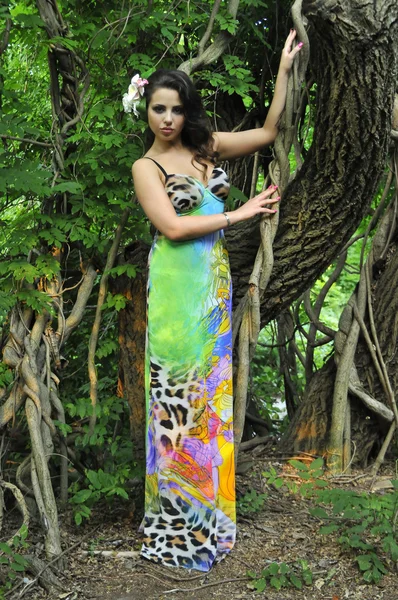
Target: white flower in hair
x=134, y=94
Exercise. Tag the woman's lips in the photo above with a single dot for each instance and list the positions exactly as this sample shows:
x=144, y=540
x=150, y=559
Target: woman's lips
x=166, y=130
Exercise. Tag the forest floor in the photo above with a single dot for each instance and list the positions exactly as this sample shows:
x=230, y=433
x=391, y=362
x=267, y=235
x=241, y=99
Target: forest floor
x=280, y=530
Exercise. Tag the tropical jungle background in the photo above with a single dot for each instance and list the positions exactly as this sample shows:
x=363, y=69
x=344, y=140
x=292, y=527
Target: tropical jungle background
x=315, y=288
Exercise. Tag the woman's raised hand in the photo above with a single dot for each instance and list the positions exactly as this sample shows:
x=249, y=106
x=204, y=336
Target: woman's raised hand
x=288, y=53
x=256, y=205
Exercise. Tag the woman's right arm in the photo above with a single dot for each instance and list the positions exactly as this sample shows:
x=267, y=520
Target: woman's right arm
x=152, y=196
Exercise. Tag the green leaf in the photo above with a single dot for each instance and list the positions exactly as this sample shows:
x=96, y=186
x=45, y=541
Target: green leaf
x=321, y=483
x=276, y=583
x=307, y=576
x=317, y=464
x=62, y=41
x=369, y=577
x=260, y=585
x=296, y=581
x=21, y=560
x=121, y=492
x=278, y=483
x=284, y=569
x=81, y=496
x=99, y=39
x=67, y=186
x=318, y=512
x=298, y=465
x=29, y=20
x=17, y=567
x=5, y=548
x=326, y=529
x=237, y=194
x=273, y=569
x=364, y=562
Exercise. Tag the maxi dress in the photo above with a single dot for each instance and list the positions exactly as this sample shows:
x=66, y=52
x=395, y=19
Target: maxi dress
x=190, y=516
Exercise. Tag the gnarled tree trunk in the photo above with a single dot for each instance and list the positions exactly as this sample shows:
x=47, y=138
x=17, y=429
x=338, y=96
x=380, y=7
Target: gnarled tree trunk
x=354, y=59
x=370, y=391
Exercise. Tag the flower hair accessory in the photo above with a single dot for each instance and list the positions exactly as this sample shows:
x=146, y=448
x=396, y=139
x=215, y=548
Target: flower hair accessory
x=134, y=94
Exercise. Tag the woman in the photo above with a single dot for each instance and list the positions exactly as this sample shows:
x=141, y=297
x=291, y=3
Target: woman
x=189, y=494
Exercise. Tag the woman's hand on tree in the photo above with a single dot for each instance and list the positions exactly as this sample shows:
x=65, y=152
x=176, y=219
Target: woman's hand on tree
x=255, y=206
x=288, y=53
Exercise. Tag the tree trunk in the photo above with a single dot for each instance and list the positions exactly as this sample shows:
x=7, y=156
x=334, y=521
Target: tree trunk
x=132, y=328
x=310, y=428
x=353, y=58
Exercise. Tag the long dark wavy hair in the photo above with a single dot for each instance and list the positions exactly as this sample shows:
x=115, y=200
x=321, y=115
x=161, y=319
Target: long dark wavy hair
x=196, y=134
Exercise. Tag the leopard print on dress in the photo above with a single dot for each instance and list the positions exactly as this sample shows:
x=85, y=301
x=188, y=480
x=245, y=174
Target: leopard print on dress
x=178, y=532
x=185, y=193
x=219, y=183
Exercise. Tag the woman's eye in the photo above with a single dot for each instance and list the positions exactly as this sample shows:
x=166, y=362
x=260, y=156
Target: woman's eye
x=158, y=109
x=178, y=110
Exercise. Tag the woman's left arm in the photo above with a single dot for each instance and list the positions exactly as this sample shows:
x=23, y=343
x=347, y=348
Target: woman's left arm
x=241, y=143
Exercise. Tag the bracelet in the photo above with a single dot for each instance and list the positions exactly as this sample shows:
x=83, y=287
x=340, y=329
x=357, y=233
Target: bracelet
x=228, y=220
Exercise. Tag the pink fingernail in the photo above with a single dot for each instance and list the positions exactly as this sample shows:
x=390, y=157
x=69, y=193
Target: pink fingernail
x=275, y=187
x=300, y=45
x=278, y=198
x=275, y=211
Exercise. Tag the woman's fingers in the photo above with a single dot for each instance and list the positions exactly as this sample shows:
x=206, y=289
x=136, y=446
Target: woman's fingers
x=290, y=39
x=271, y=200
x=268, y=192
x=265, y=195
x=297, y=49
x=288, y=44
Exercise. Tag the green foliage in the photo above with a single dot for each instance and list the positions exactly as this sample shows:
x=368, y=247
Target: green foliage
x=116, y=301
x=251, y=502
x=267, y=381
x=12, y=563
x=101, y=485
x=310, y=475
x=280, y=575
x=365, y=524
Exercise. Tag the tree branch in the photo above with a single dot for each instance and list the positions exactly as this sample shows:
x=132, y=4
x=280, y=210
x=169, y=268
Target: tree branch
x=26, y=140
x=5, y=36
x=216, y=49
x=92, y=345
x=210, y=25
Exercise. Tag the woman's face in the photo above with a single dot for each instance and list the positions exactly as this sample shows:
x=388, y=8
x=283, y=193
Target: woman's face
x=166, y=114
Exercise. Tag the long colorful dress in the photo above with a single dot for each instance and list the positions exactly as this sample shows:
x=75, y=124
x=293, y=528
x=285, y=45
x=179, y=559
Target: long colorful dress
x=190, y=484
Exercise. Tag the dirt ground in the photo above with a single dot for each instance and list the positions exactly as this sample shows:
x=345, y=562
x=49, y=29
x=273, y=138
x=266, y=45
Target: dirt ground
x=282, y=531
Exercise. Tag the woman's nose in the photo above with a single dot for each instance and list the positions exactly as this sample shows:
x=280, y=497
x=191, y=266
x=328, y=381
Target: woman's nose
x=168, y=117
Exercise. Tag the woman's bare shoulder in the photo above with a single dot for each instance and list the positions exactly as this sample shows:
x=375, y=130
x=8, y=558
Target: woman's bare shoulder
x=143, y=164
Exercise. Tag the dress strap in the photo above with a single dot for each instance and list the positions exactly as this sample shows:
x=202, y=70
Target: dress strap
x=157, y=164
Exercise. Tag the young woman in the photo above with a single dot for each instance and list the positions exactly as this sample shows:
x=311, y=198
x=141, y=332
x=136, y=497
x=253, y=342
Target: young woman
x=189, y=493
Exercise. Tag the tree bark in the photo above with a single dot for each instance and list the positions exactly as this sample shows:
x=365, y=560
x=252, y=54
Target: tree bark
x=371, y=411
x=354, y=59
x=132, y=328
